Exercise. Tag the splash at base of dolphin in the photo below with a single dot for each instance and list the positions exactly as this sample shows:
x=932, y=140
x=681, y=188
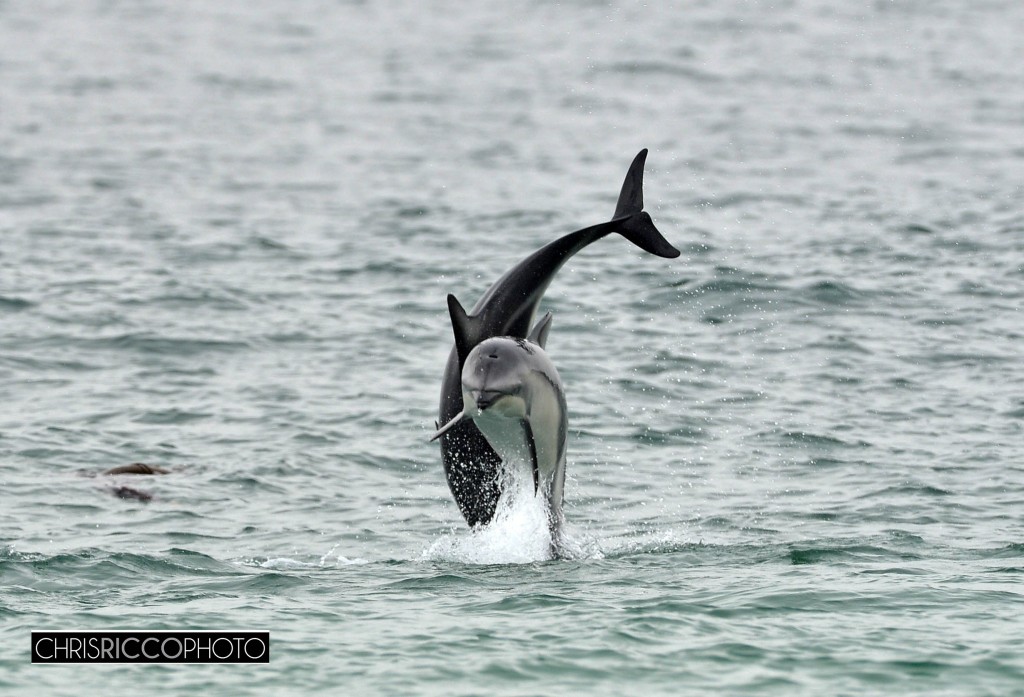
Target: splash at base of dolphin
x=501, y=398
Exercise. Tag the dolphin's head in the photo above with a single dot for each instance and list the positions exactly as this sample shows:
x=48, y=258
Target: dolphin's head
x=494, y=378
x=501, y=377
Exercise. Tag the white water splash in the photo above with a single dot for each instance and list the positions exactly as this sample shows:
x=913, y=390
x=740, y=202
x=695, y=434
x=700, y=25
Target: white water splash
x=327, y=556
x=289, y=564
x=285, y=564
x=518, y=534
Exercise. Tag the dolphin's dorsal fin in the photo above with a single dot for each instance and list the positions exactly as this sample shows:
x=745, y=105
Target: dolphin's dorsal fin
x=539, y=334
x=464, y=327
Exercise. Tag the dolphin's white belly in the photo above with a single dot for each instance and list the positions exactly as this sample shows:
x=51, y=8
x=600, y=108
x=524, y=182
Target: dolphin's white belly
x=507, y=435
x=504, y=427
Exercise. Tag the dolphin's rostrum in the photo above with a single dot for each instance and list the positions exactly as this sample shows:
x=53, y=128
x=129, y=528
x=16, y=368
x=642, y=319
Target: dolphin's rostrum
x=471, y=464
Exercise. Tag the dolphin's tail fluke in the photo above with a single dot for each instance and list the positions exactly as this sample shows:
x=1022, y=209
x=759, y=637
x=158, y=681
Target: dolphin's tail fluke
x=630, y=219
x=639, y=229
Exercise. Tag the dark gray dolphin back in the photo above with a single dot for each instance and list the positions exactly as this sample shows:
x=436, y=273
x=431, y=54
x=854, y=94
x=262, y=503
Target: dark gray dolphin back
x=508, y=309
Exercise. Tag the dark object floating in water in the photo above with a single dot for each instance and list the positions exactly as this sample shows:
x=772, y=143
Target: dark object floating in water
x=137, y=468
x=128, y=493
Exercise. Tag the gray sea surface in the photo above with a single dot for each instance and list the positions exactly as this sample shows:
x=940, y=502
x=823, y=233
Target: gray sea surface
x=796, y=453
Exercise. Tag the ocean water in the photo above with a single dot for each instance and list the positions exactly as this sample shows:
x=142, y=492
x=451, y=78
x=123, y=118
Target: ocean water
x=796, y=453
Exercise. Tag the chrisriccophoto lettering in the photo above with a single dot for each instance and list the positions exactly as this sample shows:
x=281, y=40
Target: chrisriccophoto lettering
x=151, y=647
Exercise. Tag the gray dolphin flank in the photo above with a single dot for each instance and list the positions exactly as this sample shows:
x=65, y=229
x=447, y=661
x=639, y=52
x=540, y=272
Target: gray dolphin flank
x=507, y=309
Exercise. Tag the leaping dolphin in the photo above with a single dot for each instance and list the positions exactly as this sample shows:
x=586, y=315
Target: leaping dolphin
x=513, y=394
x=507, y=309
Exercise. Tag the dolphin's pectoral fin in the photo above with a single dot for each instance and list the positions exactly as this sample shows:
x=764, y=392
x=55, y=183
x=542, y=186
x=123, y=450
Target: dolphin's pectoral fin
x=464, y=327
x=448, y=426
x=539, y=334
x=532, y=444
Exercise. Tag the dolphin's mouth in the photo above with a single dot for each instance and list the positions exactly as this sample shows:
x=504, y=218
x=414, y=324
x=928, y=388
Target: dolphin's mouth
x=486, y=398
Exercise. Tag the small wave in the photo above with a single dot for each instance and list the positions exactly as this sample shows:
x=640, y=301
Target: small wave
x=814, y=555
x=248, y=84
x=689, y=433
x=12, y=303
x=9, y=553
x=97, y=564
x=959, y=358
x=45, y=364
x=289, y=564
x=838, y=343
x=1012, y=550
x=675, y=70
x=327, y=560
x=912, y=488
x=170, y=416
x=809, y=439
x=829, y=293
x=916, y=229
x=151, y=344
x=191, y=298
x=727, y=286
x=745, y=198
x=650, y=542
